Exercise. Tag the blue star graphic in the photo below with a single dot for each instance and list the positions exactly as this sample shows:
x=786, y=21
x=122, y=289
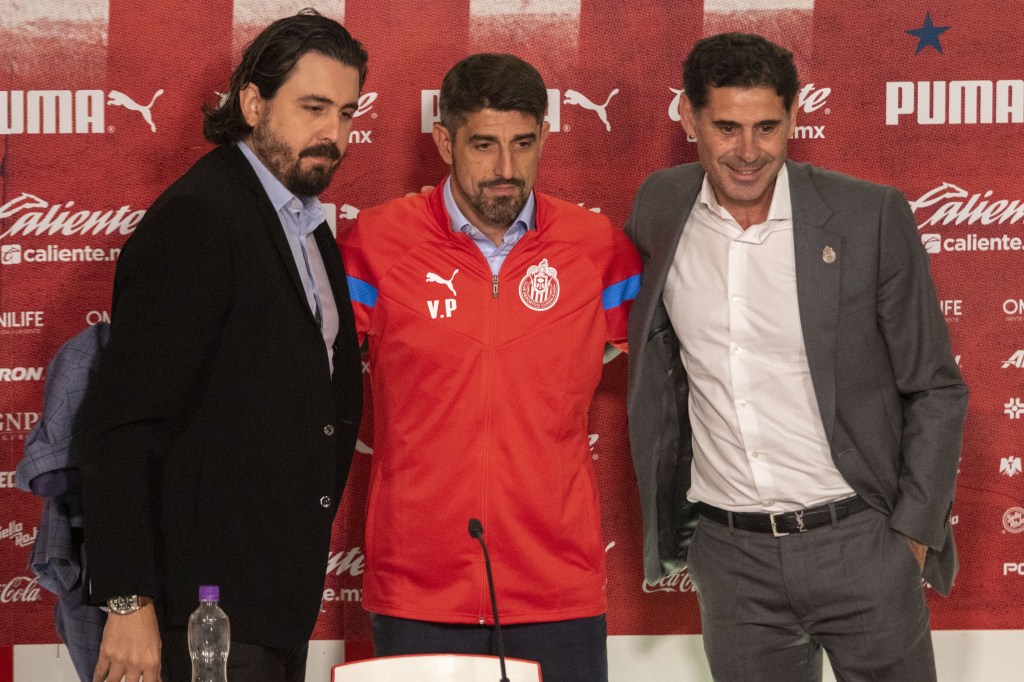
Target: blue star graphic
x=928, y=35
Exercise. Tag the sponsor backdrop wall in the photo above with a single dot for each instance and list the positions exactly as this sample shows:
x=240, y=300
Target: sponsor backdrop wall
x=99, y=111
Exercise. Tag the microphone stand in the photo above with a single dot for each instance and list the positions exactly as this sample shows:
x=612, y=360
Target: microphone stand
x=476, y=530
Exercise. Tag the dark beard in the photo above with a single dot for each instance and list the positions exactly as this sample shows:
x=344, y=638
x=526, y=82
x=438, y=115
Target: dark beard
x=500, y=210
x=277, y=157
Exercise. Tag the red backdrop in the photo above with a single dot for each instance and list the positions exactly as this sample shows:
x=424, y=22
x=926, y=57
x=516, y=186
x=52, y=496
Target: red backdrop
x=99, y=113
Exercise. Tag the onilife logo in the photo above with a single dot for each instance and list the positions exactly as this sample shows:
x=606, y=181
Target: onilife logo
x=1013, y=520
x=955, y=102
x=950, y=204
x=675, y=582
x=809, y=100
x=952, y=309
x=21, y=322
x=79, y=112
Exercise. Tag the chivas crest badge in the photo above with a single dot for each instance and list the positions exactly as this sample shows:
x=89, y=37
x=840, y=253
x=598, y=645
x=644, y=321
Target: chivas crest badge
x=539, y=288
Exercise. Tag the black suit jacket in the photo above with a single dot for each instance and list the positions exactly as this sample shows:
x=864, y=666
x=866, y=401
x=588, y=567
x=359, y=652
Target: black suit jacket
x=217, y=440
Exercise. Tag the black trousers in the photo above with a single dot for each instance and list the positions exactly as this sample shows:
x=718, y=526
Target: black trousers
x=568, y=650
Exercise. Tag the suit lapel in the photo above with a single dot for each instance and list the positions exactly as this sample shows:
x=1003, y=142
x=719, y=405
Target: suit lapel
x=331, y=257
x=665, y=241
x=272, y=224
x=819, y=255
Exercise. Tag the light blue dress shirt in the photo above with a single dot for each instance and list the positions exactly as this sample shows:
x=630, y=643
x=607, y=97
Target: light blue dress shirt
x=299, y=217
x=494, y=253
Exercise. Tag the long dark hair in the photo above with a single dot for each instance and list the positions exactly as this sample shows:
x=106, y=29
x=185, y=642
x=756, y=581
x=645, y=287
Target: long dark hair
x=269, y=59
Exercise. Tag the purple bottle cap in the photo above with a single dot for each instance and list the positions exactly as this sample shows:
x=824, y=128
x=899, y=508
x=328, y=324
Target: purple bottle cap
x=209, y=593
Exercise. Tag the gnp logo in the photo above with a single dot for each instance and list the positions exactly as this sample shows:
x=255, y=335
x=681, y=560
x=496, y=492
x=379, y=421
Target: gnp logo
x=810, y=99
x=46, y=112
x=955, y=102
x=949, y=204
x=431, y=114
x=14, y=426
x=36, y=217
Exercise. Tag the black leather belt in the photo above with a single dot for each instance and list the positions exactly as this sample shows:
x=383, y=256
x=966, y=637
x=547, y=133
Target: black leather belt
x=785, y=523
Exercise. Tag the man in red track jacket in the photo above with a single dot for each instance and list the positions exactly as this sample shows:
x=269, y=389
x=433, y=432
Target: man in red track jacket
x=487, y=306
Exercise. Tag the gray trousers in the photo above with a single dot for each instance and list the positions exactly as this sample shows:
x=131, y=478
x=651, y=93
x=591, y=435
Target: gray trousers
x=770, y=605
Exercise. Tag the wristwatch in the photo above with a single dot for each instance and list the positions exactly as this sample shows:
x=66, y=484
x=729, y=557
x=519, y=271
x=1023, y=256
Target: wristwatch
x=122, y=606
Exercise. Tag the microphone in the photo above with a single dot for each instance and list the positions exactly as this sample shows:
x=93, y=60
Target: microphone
x=476, y=530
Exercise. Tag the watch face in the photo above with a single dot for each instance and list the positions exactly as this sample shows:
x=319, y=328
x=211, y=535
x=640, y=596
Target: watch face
x=123, y=605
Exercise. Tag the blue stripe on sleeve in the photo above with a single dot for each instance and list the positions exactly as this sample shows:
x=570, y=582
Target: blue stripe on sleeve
x=362, y=292
x=620, y=292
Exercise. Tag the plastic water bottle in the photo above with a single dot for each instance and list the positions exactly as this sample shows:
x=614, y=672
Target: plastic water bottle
x=209, y=637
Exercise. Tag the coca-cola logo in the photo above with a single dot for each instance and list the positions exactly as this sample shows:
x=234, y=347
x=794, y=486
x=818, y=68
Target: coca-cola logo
x=19, y=589
x=675, y=582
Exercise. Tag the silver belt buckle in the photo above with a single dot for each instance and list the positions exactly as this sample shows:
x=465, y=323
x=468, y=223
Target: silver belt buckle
x=775, y=531
x=799, y=515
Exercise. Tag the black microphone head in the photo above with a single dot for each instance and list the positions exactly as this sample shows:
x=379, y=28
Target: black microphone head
x=476, y=529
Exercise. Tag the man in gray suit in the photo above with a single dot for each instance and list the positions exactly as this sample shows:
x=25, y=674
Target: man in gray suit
x=795, y=411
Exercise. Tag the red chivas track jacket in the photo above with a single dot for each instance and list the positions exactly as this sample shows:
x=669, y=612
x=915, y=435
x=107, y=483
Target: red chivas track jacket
x=481, y=387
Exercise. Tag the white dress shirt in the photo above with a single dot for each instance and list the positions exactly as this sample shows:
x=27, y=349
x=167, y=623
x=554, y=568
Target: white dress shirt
x=731, y=294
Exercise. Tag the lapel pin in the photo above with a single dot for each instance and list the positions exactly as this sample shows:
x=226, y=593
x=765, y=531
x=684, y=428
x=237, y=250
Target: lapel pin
x=828, y=255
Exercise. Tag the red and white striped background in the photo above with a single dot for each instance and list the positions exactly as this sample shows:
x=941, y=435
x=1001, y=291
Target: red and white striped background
x=865, y=107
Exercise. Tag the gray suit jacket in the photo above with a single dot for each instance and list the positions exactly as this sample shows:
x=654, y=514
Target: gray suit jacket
x=891, y=398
